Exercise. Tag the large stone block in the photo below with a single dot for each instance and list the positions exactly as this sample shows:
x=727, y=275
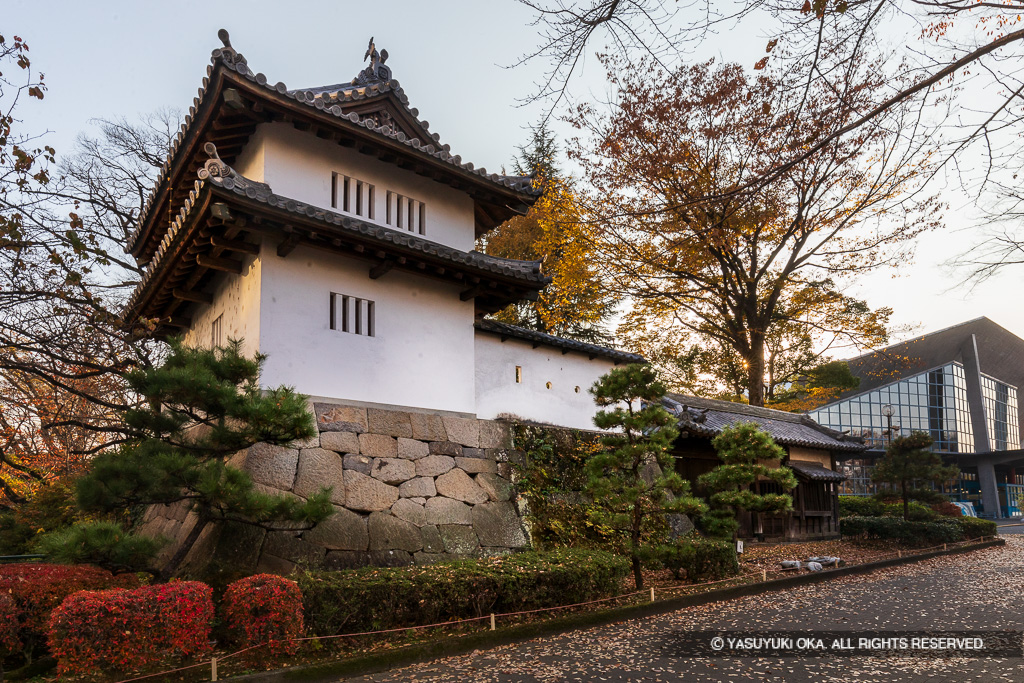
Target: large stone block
x=497, y=524
x=430, y=558
x=458, y=539
x=388, y=532
x=463, y=430
x=447, y=511
x=433, y=465
x=460, y=486
x=269, y=564
x=495, y=434
x=678, y=525
x=344, y=530
x=476, y=465
x=367, y=494
x=346, y=559
x=432, y=542
x=393, y=470
x=319, y=469
x=444, y=448
x=411, y=449
x=378, y=446
x=342, y=442
x=496, y=488
x=359, y=463
x=409, y=511
x=390, y=422
x=288, y=545
x=420, y=487
x=331, y=417
x=273, y=466
x=427, y=427
x=390, y=558
x=475, y=453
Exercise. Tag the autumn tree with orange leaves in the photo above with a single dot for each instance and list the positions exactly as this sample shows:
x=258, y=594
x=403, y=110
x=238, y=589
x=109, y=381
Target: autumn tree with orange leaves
x=704, y=263
x=577, y=304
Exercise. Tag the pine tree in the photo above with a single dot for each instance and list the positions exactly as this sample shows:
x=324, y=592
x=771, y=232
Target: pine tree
x=748, y=454
x=200, y=407
x=633, y=494
x=909, y=462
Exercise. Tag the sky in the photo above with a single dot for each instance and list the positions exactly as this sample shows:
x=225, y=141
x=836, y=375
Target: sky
x=452, y=57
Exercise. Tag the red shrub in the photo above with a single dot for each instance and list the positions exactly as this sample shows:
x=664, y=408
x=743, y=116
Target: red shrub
x=37, y=589
x=9, y=642
x=131, y=629
x=264, y=609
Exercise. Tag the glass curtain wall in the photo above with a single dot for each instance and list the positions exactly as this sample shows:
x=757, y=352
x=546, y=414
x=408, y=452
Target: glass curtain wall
x=933, y=402
x=1000, y=414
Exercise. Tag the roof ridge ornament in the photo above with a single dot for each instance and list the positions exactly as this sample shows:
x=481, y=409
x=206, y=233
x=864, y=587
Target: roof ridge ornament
x=376, y=71
x=228, y=53
x=215, y=167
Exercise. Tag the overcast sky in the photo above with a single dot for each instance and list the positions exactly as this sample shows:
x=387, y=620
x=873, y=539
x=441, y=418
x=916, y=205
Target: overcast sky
x=111, y=59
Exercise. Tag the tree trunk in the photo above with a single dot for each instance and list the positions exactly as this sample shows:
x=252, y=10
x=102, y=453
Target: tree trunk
x=638, y=576
x=906, y=503
x=755, y=369
x=167, y=573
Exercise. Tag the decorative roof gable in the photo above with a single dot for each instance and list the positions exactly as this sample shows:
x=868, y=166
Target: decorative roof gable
x=372, y=114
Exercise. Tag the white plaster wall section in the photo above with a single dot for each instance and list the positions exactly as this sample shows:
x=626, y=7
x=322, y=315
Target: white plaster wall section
x=498, y=392
x=251, y=161
x=237, y=299
x=299, y=165
x=420, y=356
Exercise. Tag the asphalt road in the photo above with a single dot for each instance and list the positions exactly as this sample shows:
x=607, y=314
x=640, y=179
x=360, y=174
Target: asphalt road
x=975, y=591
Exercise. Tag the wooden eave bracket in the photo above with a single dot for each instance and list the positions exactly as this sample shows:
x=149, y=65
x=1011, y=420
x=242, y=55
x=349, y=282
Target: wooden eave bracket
x=289, y=243
x=381, y=268
x=221, y=264
x=193, y=296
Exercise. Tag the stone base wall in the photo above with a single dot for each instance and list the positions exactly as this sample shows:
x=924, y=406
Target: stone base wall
x=408, y=487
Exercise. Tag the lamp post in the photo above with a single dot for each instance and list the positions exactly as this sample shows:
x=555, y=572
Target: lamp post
x=887, y=411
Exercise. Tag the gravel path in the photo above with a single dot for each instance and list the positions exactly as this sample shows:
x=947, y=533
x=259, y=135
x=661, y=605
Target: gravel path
x=976, y=591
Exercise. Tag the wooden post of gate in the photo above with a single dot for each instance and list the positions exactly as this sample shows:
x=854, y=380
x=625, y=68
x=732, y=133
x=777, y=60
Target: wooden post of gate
x=213, y=668
x=492, y=621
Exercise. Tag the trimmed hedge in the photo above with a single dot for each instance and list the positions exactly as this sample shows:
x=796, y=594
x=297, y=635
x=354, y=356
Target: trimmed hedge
x=9, y=642
x=700, y=559
x=124, y=630
x=37, y=589
x=373, y=598
x=909, y=533
x=263, y=609
x=973, y=527
x=868, y=506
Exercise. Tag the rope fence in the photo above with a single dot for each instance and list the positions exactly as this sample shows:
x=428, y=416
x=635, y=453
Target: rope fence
x=763, y=574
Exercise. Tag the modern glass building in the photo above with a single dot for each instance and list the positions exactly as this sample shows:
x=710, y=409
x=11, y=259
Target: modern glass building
x=960, y=386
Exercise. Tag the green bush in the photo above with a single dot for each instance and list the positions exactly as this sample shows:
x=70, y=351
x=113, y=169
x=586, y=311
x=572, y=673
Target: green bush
x=869, y=506
x=974, y=527
x=907, y=533
x=375, y=598
x=700, y=559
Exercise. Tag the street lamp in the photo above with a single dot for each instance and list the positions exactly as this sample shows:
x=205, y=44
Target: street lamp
x=887, y=411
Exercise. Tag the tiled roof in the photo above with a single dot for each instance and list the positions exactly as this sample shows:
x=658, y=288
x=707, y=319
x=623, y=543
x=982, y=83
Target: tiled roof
x=814, y=472
x=225, y=179
x=515, y=332
x=707, y=417
x=326, y=99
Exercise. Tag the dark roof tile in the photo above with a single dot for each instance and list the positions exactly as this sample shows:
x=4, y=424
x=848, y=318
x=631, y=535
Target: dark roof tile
x=515, y=332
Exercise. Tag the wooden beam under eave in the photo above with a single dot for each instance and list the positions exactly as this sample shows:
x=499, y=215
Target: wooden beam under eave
x=288, y=245
x=235, y=245
x=381, y=268
x=179, y=322
x=221, y=264
x=192, y=295
x=472, y=292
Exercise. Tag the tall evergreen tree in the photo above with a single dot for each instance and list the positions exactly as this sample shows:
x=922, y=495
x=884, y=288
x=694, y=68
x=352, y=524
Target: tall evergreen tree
x=576, y=304
x=748, y=454
x=910, y=462
x=201, y=406
x=634, y=494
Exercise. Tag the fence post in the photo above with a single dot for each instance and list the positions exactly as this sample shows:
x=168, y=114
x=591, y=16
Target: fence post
x=492, y=621
x=943, y=547
x=899, y=553
x=764, y=574
x=652, y=593
x=213, y=668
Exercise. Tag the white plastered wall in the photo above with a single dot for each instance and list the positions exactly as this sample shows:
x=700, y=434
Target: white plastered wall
x=497, y=391
x=422, y=352
x=299, y=165
x=237, y=299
